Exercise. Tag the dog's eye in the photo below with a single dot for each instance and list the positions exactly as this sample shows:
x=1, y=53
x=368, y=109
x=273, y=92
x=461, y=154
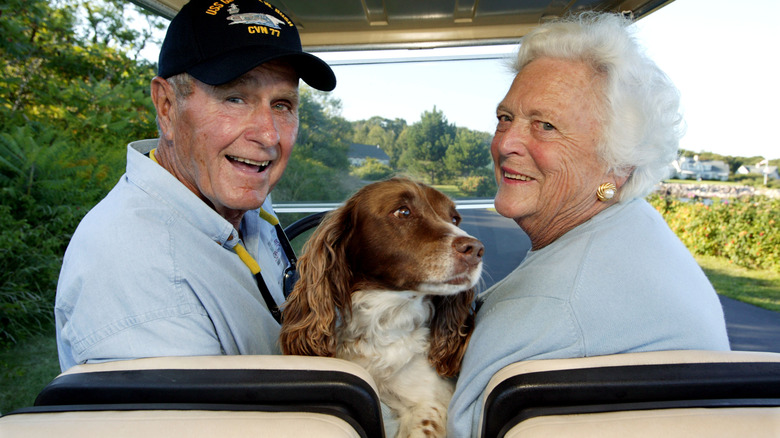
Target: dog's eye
x=456, y=220
x=402, y=213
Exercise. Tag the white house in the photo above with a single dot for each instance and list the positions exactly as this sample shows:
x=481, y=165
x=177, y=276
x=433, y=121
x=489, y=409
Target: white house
x=693, y=168
x=761, y=168
x=358, y=153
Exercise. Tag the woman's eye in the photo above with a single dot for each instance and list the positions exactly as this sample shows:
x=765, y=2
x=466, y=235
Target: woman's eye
x=504, y=121
x=402, y=213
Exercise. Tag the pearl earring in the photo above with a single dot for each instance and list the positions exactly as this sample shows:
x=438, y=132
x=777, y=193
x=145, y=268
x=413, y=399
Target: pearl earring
x=606, y=191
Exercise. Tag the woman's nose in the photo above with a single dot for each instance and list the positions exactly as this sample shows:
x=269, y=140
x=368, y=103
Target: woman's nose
x=512, y=140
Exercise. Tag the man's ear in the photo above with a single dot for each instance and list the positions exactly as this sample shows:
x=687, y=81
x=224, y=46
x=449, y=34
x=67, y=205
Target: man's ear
x=164, y=100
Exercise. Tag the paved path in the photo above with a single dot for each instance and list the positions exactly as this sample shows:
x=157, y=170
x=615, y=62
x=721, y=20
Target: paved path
x=750, y=328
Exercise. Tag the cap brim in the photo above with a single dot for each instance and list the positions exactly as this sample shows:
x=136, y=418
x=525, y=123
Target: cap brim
x=227, y=67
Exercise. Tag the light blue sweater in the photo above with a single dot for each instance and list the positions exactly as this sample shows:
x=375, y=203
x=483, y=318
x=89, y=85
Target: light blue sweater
x=621, y=282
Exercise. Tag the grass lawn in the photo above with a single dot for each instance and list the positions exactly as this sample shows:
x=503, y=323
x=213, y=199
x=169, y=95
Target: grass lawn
x=28, y=366
x=25, y=369
x=758, y=287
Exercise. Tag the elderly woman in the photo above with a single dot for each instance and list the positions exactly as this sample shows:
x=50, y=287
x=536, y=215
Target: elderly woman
x=587, y=128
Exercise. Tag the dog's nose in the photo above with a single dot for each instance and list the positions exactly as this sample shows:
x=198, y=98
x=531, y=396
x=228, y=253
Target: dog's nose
x=469, y=248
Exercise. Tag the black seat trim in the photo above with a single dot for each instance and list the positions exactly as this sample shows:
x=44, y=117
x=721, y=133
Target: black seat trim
x=338, y=393
x=608, y=389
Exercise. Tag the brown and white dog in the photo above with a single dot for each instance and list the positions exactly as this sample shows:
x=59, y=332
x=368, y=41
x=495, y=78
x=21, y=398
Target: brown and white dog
x=386, y=281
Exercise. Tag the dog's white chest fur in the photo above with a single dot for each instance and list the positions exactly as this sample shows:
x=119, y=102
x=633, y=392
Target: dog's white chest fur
x=386, y=329
x=388, y=335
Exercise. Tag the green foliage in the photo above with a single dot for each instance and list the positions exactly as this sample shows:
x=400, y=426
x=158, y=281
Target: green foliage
x=25, y=368
x=756, y=181
x=469, y=154
x=68, y=107
x=481, y=186
x=322, y=135
x=426, y=145
x=372, y=170
x=28, y=276
x=745, y=232
x=383, y=132
x=42, y=199
x=319, y=157
x=307, y=179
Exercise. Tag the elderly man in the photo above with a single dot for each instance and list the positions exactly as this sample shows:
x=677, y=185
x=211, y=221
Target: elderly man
x=185, y=256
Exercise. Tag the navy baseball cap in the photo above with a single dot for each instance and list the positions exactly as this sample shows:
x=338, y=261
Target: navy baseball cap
x=218, y=41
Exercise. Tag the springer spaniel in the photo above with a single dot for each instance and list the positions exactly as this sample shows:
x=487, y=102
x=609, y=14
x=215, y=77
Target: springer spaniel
x=386, y=282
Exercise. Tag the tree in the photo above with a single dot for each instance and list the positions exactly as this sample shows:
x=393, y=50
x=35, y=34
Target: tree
x=322, y=133
x=382, y=132
x=109, y=23
x=468, y=153
x=68, y=107
x=426, y=145
x=320, y=154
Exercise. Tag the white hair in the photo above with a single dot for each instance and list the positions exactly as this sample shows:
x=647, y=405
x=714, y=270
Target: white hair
x=641, y=119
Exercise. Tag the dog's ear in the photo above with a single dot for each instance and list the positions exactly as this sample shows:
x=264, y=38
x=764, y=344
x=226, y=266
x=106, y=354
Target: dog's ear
x=322, y=292
x=451, y=327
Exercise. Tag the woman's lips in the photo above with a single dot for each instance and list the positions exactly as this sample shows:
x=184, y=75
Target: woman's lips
x=515, y=176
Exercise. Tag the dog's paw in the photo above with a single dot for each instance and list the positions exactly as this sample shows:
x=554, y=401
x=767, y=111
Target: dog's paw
x=428, y=422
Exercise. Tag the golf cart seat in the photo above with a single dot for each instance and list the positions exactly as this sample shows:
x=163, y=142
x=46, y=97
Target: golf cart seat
x=224, y=396
x=660, y=394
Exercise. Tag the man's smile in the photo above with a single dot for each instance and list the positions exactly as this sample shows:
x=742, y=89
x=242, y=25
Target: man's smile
x=260, y=165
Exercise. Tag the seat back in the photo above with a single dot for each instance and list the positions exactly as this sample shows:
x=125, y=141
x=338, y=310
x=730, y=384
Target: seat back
x=205, y=396
x=670, y=394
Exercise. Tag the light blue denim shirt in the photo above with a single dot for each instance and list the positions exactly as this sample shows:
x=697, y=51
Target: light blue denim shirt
x=151, y=271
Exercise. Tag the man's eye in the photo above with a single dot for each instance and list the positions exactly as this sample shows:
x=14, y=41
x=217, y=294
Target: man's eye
x=547, y=126
x=235, y=100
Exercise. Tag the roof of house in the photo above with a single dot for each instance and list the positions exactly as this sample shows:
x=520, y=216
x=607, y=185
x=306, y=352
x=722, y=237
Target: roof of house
x=759, y=169
x=358, y=150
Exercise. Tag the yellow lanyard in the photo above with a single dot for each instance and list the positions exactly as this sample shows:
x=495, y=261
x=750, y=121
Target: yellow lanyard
x=289, y=273
x=244, y=255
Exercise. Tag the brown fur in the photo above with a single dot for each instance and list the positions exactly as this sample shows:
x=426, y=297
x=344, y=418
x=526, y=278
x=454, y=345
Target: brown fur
x=369, y=243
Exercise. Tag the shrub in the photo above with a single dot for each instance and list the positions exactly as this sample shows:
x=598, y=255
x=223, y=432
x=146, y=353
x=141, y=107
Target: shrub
x=743, y=231
x=29, y=265
x=479, y=186
x=372, y=170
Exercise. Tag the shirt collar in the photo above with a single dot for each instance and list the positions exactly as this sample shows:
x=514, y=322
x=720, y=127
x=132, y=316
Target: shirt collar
x=162, y=185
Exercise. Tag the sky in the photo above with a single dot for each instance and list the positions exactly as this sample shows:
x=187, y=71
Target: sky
x=723, y=58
